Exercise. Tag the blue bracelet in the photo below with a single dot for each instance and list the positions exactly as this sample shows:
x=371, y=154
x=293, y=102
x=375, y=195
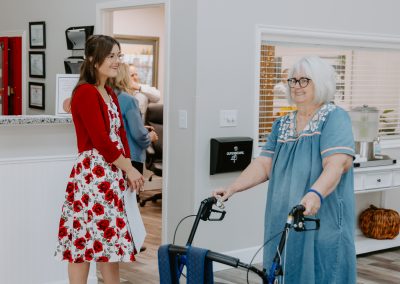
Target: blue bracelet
x=321, y=198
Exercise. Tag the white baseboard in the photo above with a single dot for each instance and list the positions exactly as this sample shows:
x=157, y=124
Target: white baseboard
x=245, y=256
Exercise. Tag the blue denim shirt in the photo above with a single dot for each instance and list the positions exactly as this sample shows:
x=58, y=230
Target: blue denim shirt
x=137, y=134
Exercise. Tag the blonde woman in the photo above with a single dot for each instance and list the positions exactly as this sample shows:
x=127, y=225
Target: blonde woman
x=144, y=94
x=139, y=137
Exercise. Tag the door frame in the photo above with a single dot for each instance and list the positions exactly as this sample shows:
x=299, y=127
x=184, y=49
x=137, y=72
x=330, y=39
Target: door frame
x=24, y=70
x=4, y=76
x=104, y=25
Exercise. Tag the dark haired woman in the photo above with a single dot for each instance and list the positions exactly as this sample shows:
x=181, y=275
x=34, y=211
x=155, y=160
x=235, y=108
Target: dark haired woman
x=93, y=225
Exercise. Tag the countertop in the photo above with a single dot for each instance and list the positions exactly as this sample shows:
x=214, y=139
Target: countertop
x=34, y=119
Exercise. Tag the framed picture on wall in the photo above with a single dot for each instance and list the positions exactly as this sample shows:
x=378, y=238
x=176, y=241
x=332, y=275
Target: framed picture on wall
x=36, y=95
x=142, y=52
x=37, y=35
x=65, y=84
x=37, y=64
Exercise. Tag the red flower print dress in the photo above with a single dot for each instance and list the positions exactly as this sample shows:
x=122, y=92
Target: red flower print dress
x=93, y=225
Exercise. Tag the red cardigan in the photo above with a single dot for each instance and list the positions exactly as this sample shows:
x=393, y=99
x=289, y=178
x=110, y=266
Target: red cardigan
x=92, y=125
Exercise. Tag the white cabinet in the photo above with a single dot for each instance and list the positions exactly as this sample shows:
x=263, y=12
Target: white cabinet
x=379, y=186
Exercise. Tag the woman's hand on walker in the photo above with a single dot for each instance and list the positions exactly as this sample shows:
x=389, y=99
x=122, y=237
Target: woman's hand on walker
x=223, y=192
x=312, y=203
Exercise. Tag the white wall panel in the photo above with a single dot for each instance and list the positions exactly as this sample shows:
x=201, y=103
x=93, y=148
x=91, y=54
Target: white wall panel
x=32, y=192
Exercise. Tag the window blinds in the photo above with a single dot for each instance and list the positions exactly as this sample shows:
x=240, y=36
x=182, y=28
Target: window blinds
x=365, y=76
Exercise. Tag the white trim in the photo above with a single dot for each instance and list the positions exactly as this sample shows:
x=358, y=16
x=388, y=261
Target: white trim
x=37, y=159
x=166, y=100
x=102, y=16
x=327, y=37
x=256, y=148
x=244, y=255
x=12, y=33
x=127, y=4
x=23, y=35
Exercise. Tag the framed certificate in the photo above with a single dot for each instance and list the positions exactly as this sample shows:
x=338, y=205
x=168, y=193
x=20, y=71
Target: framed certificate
x=37, y=64
x=36, y=95
x=64, y=86
x=37, y=35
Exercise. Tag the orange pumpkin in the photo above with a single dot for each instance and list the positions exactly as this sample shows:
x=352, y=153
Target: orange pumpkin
x=379, y=223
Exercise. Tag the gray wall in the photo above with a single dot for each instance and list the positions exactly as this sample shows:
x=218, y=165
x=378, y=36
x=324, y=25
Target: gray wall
x=211, y=67
x=58, y=15
x=226, y=80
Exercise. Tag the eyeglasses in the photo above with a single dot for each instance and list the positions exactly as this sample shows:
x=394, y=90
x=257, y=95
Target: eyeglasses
x=303, y=82
x=115, y=57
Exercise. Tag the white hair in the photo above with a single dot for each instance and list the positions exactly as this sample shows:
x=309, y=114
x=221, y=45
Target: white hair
x=322, y=75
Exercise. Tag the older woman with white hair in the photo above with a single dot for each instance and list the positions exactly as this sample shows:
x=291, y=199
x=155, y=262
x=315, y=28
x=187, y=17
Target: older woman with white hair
x=308, y=160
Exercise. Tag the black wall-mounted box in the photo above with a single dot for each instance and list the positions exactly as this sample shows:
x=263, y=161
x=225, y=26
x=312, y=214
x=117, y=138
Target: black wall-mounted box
x=230, y=154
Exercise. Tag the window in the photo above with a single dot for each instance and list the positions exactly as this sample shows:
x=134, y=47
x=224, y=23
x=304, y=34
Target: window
x=365, y=76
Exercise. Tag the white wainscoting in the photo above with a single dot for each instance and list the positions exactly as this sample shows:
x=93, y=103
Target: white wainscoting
x=32, y=192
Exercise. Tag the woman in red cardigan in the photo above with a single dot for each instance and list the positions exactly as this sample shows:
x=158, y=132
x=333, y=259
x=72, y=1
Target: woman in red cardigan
x=93, y=225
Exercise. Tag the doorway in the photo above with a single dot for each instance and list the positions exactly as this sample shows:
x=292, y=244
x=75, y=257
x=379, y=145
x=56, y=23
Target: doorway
x=146, y=26
x=10, y=75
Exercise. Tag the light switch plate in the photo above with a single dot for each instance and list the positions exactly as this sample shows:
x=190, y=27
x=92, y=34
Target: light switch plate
x=228, y=118
x=182, y=118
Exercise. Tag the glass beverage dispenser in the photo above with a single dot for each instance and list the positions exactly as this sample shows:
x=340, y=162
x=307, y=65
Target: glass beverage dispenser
x=365, y=122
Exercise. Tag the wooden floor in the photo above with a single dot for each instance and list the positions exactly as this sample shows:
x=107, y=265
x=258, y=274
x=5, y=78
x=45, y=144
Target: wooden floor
x=145, y=268
x=375, y=268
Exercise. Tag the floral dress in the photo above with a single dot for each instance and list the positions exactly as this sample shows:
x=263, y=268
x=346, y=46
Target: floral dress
x=93, y=225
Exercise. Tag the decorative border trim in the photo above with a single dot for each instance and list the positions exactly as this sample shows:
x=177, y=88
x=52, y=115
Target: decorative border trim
x=34, y=119
x=301, y=135
x=337, y=148
x=39, y=159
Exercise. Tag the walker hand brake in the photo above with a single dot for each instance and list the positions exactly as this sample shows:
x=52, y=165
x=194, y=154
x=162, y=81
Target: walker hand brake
x=221, y=216
x=315, y=220
x=299, y=222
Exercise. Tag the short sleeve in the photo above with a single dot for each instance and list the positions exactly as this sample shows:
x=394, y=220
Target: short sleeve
x=337, y=135
x=268, y=150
